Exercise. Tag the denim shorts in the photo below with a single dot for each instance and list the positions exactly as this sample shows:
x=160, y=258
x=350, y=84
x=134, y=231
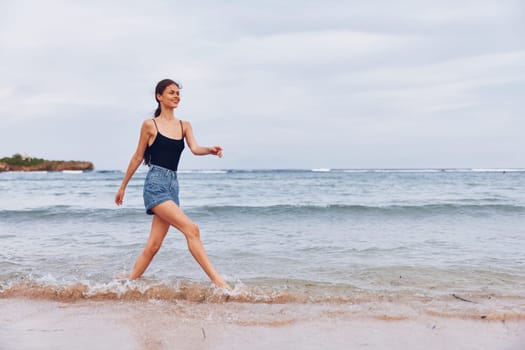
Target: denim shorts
x=161, y=185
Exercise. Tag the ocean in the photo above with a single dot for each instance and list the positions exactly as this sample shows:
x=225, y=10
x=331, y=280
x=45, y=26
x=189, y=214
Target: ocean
x=447, y=242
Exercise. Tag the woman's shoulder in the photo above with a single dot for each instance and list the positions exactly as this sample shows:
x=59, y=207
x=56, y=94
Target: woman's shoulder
x=186, y=124
x=148, y=125
x=148, y=121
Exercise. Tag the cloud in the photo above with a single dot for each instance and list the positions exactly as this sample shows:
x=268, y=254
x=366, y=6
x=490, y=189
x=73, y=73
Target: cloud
x=361, y=80
x=438, y=87
x=308, y=48
x=500, y=64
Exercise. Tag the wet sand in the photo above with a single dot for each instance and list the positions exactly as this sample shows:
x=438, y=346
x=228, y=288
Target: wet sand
x=27, y=324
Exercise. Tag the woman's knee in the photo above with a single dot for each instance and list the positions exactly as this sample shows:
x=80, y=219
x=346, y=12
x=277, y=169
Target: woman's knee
x=193, y=232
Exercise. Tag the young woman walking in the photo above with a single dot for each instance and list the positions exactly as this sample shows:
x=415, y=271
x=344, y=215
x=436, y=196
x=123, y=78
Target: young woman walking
x=160, y=145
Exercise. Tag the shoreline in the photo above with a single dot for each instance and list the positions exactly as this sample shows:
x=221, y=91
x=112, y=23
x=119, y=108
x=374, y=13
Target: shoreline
x=39, y=324
x=394, y=304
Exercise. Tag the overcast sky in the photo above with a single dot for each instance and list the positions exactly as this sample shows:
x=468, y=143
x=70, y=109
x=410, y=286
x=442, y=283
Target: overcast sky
x=279, y=84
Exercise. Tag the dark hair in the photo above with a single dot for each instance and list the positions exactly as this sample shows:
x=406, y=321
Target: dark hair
x=159, y=89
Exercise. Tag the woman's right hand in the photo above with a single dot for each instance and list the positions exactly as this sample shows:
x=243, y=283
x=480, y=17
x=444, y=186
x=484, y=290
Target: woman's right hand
x=119, y=197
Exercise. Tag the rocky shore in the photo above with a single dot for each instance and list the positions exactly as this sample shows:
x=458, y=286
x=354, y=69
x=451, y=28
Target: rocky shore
x=50, y=165
x=18, y=163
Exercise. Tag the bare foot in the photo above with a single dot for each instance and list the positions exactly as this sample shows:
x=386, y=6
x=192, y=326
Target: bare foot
x=123, y=276
x=222, y=284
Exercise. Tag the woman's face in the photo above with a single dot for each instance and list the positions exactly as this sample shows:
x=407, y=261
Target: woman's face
x=170, y=98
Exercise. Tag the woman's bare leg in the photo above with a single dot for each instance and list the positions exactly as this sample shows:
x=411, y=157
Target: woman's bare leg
x=172, y=214
x=159, y=229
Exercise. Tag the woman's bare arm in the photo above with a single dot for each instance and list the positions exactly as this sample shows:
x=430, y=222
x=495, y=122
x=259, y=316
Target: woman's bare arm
x=146, y=132
x=195, y=147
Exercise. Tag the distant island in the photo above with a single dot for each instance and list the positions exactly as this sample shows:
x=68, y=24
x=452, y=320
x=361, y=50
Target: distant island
x=24, y=162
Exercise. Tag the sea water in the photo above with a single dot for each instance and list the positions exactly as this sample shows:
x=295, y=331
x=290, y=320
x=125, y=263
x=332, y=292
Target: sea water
x=278, y=236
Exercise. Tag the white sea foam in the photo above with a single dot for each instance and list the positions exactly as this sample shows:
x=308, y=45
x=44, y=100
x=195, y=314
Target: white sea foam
x=495, y=170
x=321, y=170
x=203, y=171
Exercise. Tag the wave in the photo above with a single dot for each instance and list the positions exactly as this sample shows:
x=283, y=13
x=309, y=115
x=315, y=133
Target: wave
x=495, y=170
x=69, y=212
x=446, y=170
x=343, y=297
x=203, y=171
x=274, y=210
x=109, y=171
x=321, y=170
x=142, y=170
x=343, y=209
x=129, y=290
x=363, y=170
x=433, y=170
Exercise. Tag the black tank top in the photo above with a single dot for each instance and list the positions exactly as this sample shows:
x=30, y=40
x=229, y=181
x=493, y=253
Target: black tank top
x=164, y=151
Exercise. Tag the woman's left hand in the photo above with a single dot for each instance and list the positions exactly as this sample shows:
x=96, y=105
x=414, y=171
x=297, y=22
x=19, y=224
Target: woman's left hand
x=119, y=197
x=216, y=150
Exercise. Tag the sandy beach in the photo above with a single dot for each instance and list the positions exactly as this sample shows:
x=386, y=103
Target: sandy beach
x=27, y=324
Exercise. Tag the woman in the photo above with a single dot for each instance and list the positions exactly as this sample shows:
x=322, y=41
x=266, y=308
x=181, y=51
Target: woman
x=160, y=146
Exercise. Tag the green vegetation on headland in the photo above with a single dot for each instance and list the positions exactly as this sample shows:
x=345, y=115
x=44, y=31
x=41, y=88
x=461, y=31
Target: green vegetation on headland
x=20, y=162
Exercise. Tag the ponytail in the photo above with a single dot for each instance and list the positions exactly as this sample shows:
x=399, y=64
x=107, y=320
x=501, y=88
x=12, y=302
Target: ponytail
x=158, y=110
